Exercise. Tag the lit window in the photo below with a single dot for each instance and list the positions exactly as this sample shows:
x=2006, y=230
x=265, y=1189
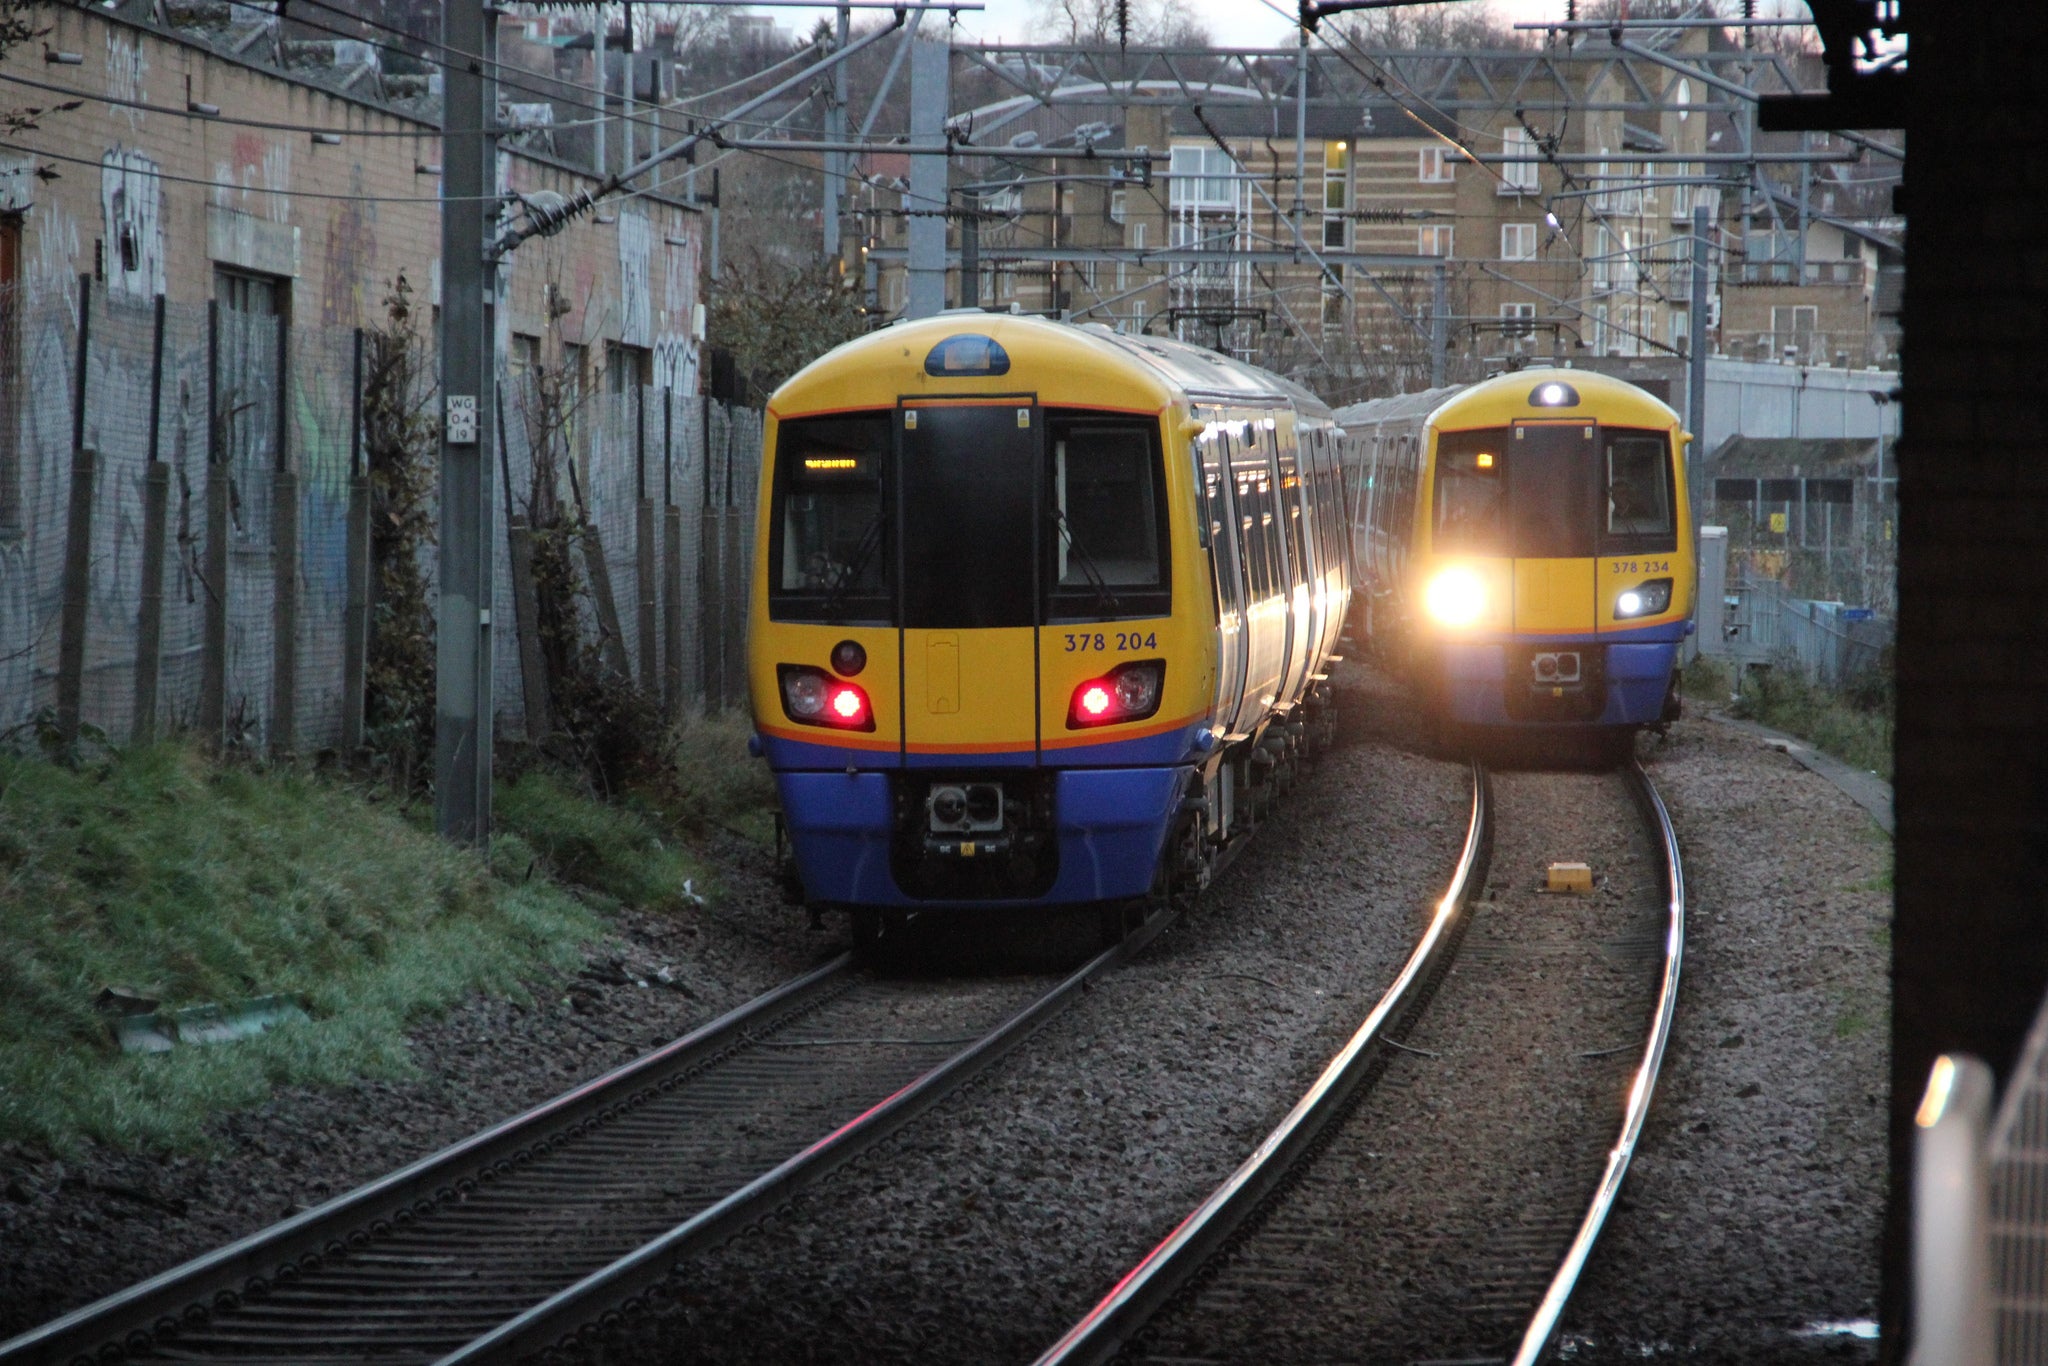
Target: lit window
x=1433, y=241
x=1435, y=167
x=1518, y=241
x=1518, y=177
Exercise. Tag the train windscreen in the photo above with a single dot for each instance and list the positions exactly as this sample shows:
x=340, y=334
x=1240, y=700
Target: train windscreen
x=1553, y=491
x=1107, y=510
x=830, y=557
x=968, y=497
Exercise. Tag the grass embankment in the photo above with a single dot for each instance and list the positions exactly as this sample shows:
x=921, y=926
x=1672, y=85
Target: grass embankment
x=192, y=882
x=1854, y=725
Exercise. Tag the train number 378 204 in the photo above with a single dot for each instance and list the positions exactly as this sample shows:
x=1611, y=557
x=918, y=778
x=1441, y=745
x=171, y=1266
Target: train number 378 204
x=1078, y=641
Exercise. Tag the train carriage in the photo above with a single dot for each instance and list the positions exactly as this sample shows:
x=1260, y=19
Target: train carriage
x=1524, y=548
x=1039, y=612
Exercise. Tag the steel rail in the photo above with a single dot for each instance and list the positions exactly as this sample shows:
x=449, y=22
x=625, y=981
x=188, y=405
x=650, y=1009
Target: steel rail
x=184, y=1294
x=600, y=1295
x=1169, y=1266
x=1542, y=1331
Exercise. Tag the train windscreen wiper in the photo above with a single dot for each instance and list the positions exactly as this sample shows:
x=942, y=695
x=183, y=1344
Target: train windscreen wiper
x=849, y=573
x=1104, y=599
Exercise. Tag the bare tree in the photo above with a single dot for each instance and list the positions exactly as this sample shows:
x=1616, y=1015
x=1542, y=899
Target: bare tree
x=1120, y=23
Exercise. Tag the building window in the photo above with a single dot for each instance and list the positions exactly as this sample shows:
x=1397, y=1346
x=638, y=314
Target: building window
x=1201, y=178
x=1336, y=192
x=1517, y=320
x=1433, y=241
x=251, y=398
x=1119, y=205
x=1138, y=235
x=1518, y=241
x=1138, y=313
x=626, y=367
x=1434, y=167
x=1518, y=177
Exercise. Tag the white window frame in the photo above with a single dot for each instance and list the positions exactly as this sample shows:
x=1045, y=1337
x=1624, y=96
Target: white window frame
x=1518, y=241
x=1432, y=167
x=1199, y=178
x=1518, y=177
x=1436, y=240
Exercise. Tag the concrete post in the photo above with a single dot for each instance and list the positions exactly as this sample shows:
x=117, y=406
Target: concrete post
x=930, y=93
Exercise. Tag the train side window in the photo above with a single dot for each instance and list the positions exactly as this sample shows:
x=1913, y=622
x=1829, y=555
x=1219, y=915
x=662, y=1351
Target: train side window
x=1638, y=469
x=829, y=528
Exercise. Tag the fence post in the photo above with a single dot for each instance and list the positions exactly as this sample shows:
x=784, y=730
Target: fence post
x=355, y=618
x=709, y=583
x=733, y=690
x=77, y=540
x=643, y=551
x=156, y=507
x=213, y=659
x=284, y=533
x=672, y=565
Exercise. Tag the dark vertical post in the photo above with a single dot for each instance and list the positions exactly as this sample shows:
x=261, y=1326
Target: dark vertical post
x=355, y=629
x=672, y=564
x=1696, y=356
x=284, y=563
x=709, y=622
x=156, y=508
x=462, y=663
x=213, y=659
x=970, y=250
x=1439, y=328
x=644, y=585
x=732, y=589
x=77, y=540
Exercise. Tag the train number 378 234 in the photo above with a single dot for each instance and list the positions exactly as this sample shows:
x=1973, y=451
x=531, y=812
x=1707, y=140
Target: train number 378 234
x=1639, y=566
x=1078, y=641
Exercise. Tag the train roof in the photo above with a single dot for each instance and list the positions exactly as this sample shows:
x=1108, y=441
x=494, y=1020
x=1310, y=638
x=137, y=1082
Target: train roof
x=1502, y=399
x=1087, y=366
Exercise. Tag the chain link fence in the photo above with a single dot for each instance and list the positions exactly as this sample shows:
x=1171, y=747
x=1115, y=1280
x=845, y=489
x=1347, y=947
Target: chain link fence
x=176, y=546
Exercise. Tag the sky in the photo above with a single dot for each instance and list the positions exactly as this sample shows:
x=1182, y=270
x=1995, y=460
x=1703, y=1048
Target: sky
x=1231, y=23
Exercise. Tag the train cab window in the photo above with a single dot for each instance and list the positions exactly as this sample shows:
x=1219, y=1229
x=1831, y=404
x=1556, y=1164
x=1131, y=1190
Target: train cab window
x=1638, y=470
x=1471, y=492
x=1108, y=519
x=829, y=526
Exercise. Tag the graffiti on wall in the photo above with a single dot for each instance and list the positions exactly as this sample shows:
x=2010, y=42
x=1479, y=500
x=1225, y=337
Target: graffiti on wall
x=258, y=168
x=350, y=257
x=126, y=66
x=132, y=211
x=636, y=284
x=675, y=345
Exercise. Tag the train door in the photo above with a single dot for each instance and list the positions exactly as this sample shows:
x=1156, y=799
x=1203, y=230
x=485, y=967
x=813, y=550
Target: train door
x=967, y=575
x=1257, y=505
x=1551, y=507
x=1288, y=468
x=1226, y=569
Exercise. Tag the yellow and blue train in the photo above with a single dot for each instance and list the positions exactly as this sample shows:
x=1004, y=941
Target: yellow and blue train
x=1524, y=548
x=1040, y=613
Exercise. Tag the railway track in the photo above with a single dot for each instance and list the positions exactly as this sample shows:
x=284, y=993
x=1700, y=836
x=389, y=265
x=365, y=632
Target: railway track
x=1401, y=1211
x=516, y=1239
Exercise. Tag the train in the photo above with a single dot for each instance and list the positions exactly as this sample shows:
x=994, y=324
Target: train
x=1041, y=614
x=1524, y=552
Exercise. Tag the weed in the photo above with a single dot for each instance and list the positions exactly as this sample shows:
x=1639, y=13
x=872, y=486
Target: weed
x=616, y=850
x=154, y=870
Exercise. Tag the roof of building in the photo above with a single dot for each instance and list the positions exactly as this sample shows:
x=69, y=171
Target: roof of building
x=1770, y=457
x=1276, y=120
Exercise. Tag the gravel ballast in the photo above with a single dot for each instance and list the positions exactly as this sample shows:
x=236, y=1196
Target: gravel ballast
x=1751, y=1214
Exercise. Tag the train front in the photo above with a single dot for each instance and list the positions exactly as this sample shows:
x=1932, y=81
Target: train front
x=967, y=667
x=1555, y=584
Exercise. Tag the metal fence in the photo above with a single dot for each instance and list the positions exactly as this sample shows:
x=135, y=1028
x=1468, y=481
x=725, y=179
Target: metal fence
x=183, y=535
x=1747, y=618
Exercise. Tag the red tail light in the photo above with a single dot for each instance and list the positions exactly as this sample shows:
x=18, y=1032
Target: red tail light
x=1129, y=692
x=812, y=697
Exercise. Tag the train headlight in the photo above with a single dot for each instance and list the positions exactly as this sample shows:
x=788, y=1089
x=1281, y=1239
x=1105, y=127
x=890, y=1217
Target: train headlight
x=1456, y=597
x=1129, y=692
x=1644, y=600
x=813, y=697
